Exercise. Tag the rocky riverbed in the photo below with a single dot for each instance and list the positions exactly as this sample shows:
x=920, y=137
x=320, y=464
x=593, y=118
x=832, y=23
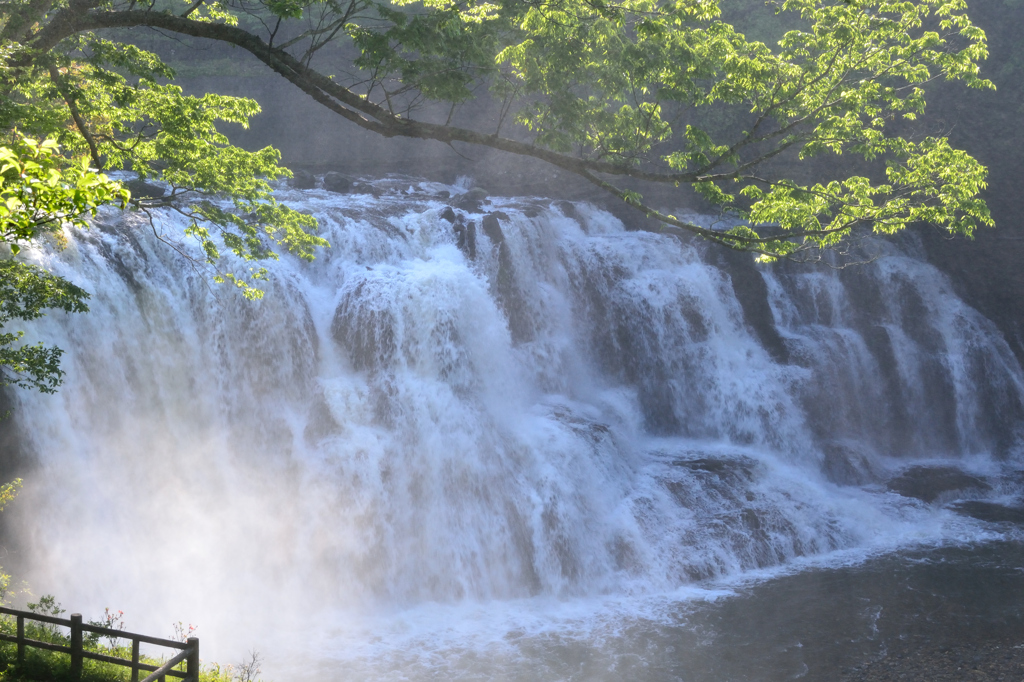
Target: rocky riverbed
x=1003, y=660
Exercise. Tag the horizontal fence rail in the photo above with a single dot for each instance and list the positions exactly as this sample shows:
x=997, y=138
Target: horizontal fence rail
x=189, y=649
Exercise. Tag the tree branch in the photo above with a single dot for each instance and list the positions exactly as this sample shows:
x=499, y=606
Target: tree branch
x=332, y=95
x=76, y=116
x=192, y=8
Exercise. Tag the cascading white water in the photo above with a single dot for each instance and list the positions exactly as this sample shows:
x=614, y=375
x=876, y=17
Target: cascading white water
x=529, y=405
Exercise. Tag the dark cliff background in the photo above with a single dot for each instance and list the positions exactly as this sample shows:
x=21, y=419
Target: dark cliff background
x=988, y=271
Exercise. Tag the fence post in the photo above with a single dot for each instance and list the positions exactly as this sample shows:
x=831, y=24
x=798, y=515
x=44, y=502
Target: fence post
x=192, y=662
x=135, y=659
x=21, y=639
x=76, y=646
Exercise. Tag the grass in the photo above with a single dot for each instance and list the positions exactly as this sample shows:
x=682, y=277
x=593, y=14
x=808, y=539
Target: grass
x=52, y=666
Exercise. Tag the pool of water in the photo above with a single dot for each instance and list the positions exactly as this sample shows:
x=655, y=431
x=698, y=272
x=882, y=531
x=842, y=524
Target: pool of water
x=811, y=624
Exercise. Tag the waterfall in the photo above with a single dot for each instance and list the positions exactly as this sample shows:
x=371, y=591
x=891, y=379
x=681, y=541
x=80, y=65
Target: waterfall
x=529, y=402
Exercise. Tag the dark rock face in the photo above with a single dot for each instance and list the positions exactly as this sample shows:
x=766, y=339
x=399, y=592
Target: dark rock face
x=752, y=293
x=470, y=206
x=845, y=466
x=492, y=228
x=741, y=518
x=448, y=214
x=505, y=285
x=141, y=189
x=368, y=334
x=302, y=180
x=336, y=182
x=466, y=236
x=15, y=455
x=930, y=484
x=568, y=209
x=365, y=188
x=990, y=511
x=734, y=473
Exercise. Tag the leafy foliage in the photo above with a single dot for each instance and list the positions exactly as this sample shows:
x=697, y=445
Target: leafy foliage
x=96, y=103
x=40, y=195
x=628, y=90
x=25, y=291
x=8, y=491
x=102, y=102
x=610, y=79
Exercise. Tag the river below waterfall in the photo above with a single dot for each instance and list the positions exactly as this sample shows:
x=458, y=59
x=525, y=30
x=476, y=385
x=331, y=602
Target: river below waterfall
x=515, y=440
x=818, y=623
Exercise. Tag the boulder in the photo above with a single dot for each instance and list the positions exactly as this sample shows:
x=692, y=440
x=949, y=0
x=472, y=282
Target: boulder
x=448, y=214
x=302, y=180
x=444, y=194
x=141, y=189
x=472, y=200
x=475, y=194
x=568, y=209
x=931, y=484
x=365, y=188
x=336, y=182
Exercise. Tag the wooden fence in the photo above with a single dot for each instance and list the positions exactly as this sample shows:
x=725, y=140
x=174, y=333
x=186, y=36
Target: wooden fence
x=189, y=649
